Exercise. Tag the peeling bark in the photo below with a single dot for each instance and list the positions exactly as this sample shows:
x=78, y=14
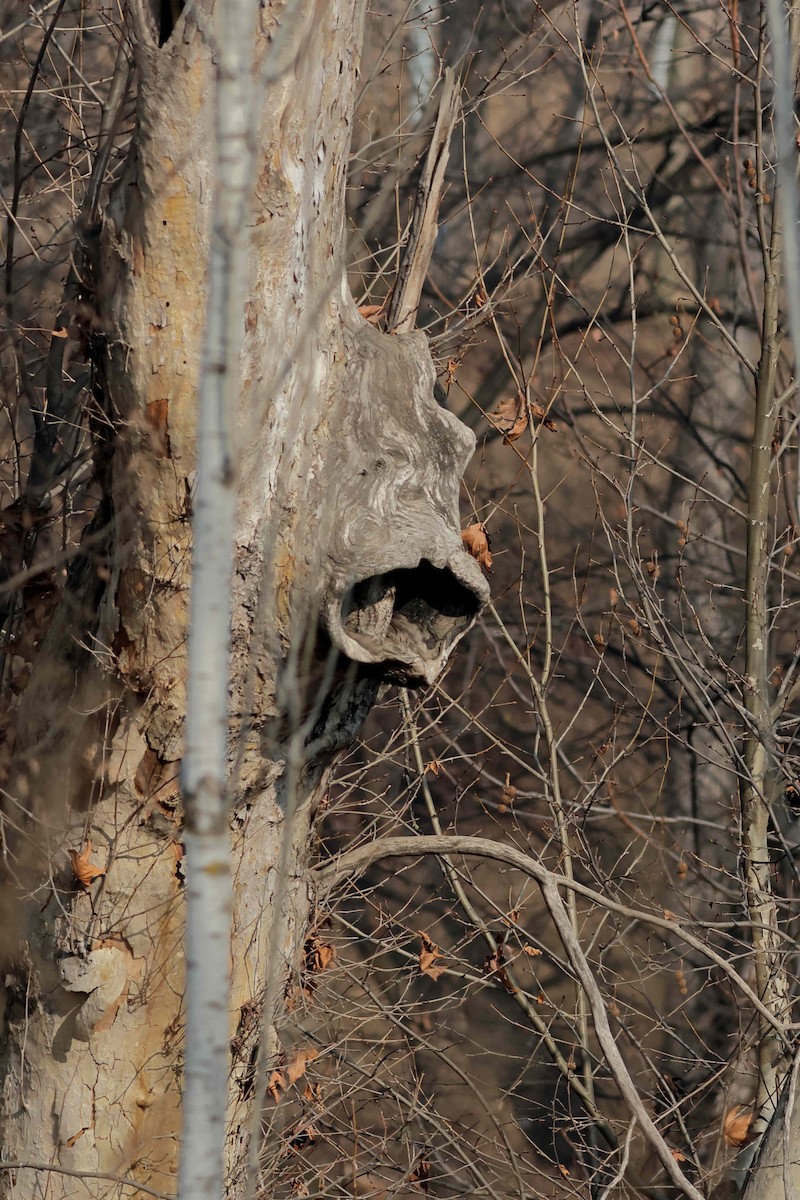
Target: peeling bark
x=349, y=571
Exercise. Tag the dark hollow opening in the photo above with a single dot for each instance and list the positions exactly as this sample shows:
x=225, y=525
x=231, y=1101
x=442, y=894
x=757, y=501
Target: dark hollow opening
x=408, y=609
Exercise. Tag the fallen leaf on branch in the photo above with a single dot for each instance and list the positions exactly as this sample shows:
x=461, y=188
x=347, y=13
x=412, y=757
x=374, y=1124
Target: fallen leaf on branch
x=494, y=964
x=304, y=1138
x=84, y=871
x=324, y=956
x=422, y=1173
x=371, y=312
x=541, y=415
x=510, y=418
x=476, y=541
x=736, y=1125
x=297, y=1066
x=428, y=956
x=285, y=1076
x=509, y=793
x=318, y=955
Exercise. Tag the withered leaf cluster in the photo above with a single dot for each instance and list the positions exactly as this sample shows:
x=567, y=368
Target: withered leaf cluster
x=85, y=872
x=430, y=959
x=476, y=540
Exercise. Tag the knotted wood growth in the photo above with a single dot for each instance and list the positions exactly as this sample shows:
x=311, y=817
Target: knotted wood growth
x=400, y=590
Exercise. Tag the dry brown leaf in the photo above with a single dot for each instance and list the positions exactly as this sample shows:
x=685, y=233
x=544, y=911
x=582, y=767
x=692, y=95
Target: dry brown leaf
x=303, y=1138
x=510, y=418
x=476, y=541
x=371, y=312
x=677, y=1155
x=84, y=871
x=531, y=951
x=422, y=1173
x=541, y=415
x=736, y=1125
x=318, y=955
x=324, y=955
x=296, y=995
x=509, y=793
x=494, y=964
x=434, y=767
x=283, y=1077
x=298, y=1063
x=428, y=955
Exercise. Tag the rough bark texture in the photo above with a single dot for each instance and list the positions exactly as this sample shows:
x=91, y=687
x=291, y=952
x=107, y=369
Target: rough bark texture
x=769, y=1169
x=349, y=571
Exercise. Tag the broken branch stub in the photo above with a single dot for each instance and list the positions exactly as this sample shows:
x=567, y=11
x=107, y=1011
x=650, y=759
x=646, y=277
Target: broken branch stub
x=401, y=589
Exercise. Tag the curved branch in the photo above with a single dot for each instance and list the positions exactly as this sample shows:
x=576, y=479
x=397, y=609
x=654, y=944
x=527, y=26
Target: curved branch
x=549, y=883
x=355, y=862
x=105, y=1176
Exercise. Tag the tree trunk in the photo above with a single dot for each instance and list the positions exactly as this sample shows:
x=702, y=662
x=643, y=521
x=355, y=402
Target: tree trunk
x=349, y=570
x=769, y=1168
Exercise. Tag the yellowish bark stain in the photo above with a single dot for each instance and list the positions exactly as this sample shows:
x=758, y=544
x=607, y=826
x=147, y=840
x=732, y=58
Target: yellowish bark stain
x=285, y=566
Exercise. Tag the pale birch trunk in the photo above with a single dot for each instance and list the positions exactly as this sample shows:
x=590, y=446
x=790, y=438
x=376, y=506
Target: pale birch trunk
x=348, y=569
x=235, y=95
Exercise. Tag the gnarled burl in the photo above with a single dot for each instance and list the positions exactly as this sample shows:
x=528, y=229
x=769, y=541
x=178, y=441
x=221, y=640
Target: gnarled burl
x=400, y=589
x=349, y=573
